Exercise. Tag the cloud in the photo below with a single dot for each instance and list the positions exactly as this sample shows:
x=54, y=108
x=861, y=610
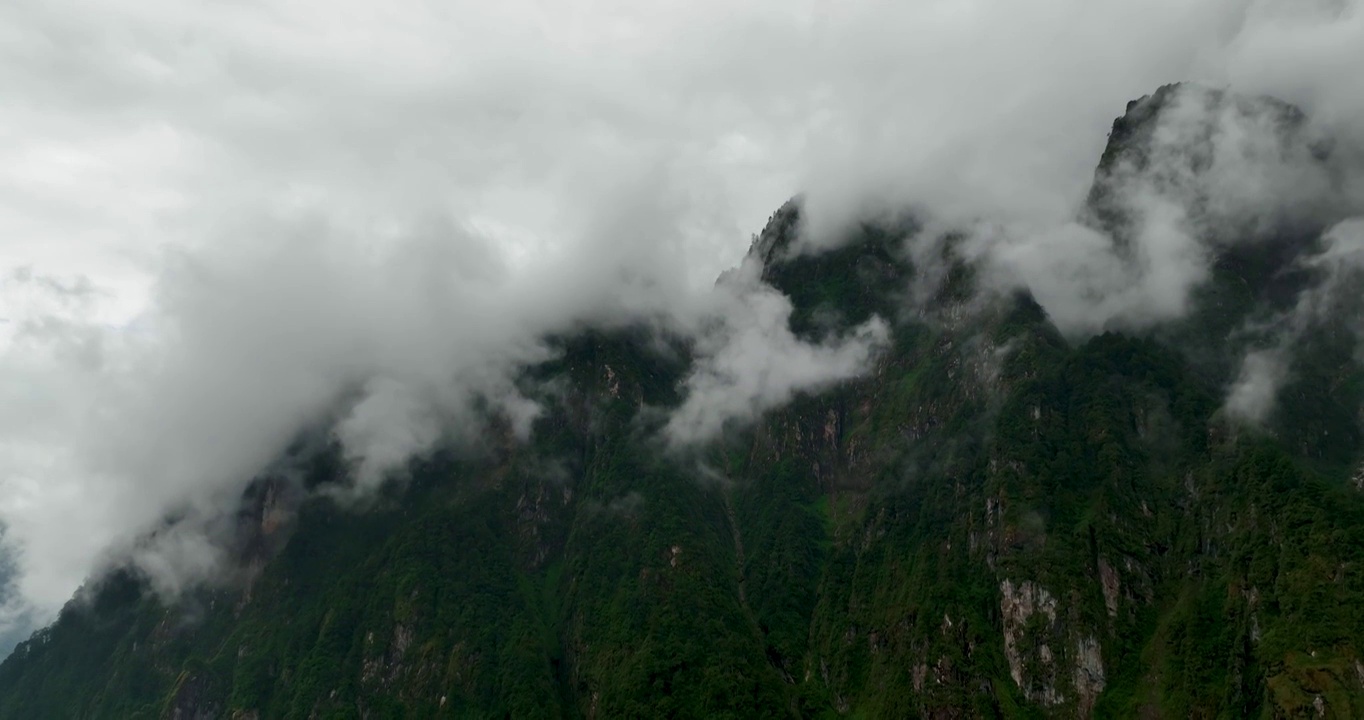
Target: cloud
x=1340, y=268
x=749, y=361
x=384, y=429
x=371, y=214
x=1010, y=126
x=1257, y=384
x=1211, y=171
x=392, y=327
x=627, y=505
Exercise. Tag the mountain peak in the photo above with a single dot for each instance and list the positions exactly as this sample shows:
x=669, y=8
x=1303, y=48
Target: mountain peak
x=1216, y=151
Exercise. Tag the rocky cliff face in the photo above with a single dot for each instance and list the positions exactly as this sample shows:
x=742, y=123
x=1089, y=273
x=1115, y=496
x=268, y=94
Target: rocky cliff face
x=995, y=521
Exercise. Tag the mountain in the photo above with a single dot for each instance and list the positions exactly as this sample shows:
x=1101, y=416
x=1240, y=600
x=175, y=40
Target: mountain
x=1001, y=518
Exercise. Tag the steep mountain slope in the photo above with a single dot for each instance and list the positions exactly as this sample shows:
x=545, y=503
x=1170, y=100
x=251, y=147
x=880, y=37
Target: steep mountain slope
x=995, y=521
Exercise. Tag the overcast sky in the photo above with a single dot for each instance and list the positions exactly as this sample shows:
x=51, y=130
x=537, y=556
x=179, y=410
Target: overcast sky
x=215, y=217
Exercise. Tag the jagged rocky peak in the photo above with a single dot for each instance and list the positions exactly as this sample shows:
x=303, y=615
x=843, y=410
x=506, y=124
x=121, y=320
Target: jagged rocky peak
x=1135, y=133
x=1227, y=166
x=779, y=235
x=838, y=285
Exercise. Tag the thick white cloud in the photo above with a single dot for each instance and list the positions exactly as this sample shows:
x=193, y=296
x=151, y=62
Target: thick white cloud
x=750, y=361
x=231, y=216
x=1256, y=388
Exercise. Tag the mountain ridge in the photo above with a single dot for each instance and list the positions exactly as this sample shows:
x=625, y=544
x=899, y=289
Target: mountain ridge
x=993, y=521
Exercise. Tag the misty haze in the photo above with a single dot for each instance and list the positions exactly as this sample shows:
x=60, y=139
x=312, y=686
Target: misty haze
x=600, y=359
